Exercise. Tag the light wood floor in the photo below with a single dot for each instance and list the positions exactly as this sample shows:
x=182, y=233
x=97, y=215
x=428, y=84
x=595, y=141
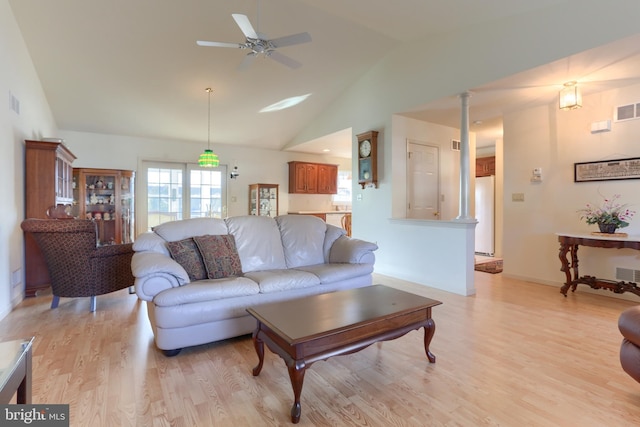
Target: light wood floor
x=515, y=354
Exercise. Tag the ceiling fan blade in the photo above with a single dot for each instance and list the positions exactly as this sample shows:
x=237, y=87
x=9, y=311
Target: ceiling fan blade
x=283, y=59
x=291, y=40
x=245, y=26
x=219, y=44
x=247, y=61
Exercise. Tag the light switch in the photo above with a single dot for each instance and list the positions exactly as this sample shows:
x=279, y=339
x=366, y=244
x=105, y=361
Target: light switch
x=536, y=175
x=517, y=197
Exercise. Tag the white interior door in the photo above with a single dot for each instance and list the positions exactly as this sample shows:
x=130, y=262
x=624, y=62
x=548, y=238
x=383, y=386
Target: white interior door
x=423, y=181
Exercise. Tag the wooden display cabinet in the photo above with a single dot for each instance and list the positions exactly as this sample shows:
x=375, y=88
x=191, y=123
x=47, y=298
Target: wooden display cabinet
x=106, y=196
x=48, y=172
x=263, y=199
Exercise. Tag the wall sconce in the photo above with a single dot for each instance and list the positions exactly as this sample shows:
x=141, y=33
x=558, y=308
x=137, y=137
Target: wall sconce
x=234, y=173
x=570, y=97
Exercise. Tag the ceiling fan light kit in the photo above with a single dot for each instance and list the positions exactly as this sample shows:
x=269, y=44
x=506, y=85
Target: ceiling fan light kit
x=570, y=97
x=259, y=44
x=208, y=159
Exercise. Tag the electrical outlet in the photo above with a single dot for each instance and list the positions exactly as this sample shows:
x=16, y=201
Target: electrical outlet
x=517, y=197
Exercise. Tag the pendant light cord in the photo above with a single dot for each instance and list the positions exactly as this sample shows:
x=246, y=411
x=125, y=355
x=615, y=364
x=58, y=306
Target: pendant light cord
x=209, y=121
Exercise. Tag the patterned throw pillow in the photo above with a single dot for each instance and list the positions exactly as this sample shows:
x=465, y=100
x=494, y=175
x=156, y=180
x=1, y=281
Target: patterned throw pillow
x=220, y=255
x=187, y=254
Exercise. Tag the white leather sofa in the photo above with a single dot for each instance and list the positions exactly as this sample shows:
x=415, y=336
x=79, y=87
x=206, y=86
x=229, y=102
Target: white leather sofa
x=281, y=258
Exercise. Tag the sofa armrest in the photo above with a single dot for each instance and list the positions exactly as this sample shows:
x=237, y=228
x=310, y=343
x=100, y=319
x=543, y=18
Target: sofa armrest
x=629, y=324
x=150, y=242
x=353, y=251
x=155, y=272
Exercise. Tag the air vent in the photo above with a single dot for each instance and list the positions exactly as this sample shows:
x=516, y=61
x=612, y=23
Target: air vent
x=627, y=112
x=455, y=145
x=627, y=274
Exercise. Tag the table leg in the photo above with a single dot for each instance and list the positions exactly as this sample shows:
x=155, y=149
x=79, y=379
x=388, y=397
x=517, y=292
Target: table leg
x=564, y=249
x=259, y=346
x=429, y=330
x=296, y=374
x=574, y=267
x=23, y=395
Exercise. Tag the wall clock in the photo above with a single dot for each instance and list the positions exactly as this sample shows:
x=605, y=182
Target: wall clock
x=368, y=159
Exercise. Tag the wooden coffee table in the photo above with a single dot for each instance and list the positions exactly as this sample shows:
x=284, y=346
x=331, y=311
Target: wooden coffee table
x=305, y=330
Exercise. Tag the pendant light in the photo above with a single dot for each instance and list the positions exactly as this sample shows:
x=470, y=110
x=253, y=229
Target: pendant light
x=208, y=159
x=570, y=97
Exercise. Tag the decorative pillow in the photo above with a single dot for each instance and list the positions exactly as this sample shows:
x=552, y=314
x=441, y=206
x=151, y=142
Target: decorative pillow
x=220, y=255
x=187, y=254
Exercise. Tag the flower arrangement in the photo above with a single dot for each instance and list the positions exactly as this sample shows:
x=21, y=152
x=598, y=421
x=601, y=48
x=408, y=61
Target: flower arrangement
x=611, y=213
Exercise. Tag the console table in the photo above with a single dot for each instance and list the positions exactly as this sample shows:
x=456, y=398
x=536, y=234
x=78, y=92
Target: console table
x=569, y=243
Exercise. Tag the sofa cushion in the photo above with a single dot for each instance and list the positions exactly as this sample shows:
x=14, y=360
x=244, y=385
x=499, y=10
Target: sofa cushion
x=302, y=239
x=181, y=229
x=282, y=280
x=207, y=290
x=329, y=273
x=258, y=242
x=187, y=254
x=219, y=255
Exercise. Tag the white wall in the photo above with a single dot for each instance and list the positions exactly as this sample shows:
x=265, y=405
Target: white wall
x=255, y=165
x=554, y=140
x=18, y=78
x=410, y=129
x=418, y=73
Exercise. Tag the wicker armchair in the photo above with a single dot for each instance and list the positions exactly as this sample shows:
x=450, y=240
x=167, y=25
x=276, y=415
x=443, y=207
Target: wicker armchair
x=77, y=266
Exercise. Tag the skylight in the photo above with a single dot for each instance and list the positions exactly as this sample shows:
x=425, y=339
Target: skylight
x=285, y=103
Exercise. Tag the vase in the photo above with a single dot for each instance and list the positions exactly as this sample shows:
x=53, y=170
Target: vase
x=607, y=228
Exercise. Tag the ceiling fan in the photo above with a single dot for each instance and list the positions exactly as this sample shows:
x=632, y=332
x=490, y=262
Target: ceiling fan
x=259, y=44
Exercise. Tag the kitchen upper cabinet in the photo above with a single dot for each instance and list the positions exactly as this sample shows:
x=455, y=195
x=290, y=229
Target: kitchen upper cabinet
x=485, y=166
x=313, y=178
x=303, y=178
x=327, y=179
